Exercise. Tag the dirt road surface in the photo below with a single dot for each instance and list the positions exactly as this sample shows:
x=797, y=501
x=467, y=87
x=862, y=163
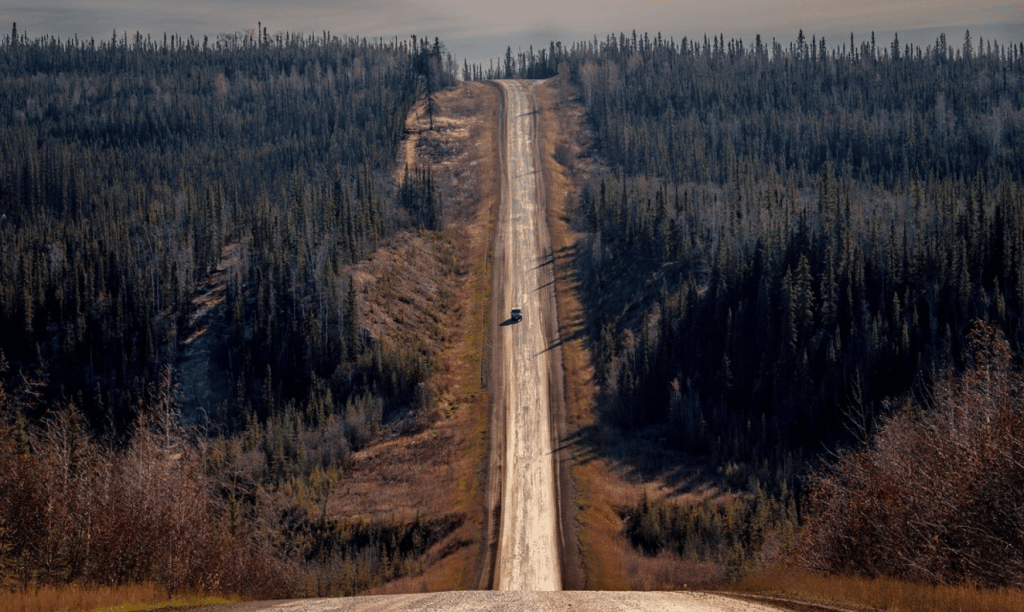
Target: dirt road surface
x=527, y=601
x=528, y=543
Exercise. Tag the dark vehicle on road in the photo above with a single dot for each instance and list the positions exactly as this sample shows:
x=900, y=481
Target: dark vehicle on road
x=517, y=315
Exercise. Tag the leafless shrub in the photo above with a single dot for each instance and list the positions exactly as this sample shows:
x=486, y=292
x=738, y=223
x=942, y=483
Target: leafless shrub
x=669, y=572
x=938, y=495
x=73, y=511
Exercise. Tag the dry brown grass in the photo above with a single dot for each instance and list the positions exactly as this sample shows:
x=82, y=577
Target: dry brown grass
x=471, y=183
x=438, y=469
x=78, y=598
x=465, y=359
x=669, y=572
x=406, y=290
x=881, y=593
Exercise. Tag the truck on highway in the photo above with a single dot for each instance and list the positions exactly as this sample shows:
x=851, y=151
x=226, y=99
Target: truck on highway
x=517, y=315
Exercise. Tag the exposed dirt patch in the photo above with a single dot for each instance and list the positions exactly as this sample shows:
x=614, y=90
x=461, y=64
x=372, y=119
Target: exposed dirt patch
x=199, y=384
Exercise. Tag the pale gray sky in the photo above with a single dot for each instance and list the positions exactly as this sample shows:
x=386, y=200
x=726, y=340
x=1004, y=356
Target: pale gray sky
x=481, y=29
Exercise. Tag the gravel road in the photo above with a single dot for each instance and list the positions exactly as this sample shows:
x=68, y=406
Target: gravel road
x=527, y=558
x=527, y=601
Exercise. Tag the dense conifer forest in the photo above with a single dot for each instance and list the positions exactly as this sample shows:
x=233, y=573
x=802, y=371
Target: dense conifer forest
x=823, y=227
x=786, y=242
x=132, y=168
x=182, y=210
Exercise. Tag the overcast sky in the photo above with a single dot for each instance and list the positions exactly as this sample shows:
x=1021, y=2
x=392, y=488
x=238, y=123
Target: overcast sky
x=478, y=30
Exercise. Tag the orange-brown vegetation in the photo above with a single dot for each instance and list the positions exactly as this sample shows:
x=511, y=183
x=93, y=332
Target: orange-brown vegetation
x=927, y=515
x=436, y=468
x=937, y=496
x=856, y=592
x=122, y=598
x=73, y=511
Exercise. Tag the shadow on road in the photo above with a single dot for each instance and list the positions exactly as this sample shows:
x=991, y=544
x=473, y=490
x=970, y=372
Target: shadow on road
x=552, y=345
x=527, y=174
x=546, y=260
x=509, y=321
